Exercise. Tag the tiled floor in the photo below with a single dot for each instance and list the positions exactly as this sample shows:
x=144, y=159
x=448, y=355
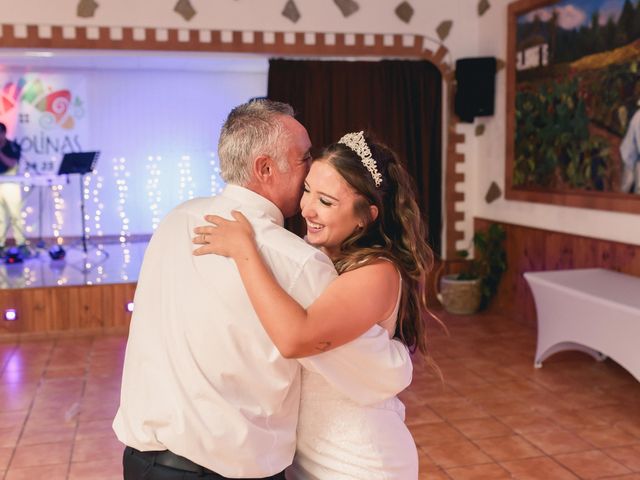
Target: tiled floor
x=494, y=416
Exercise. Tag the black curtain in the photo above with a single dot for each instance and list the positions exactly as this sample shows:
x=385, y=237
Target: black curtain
x=399, y=101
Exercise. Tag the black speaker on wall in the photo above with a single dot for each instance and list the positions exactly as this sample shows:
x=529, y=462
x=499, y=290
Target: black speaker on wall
x=476, y=87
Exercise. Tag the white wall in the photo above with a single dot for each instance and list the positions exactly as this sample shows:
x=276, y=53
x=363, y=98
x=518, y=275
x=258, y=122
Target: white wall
x=471, y=35
x=488, y=163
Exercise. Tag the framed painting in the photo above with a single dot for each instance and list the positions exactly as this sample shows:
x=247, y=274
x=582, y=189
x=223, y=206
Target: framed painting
x=573, y=103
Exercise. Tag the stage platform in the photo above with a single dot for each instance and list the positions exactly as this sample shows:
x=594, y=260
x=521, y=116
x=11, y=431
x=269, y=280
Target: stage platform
x=80, y=293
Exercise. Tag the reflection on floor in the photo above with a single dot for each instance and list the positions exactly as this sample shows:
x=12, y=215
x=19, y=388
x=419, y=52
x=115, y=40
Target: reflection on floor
x=102, y=264
x=494, y=417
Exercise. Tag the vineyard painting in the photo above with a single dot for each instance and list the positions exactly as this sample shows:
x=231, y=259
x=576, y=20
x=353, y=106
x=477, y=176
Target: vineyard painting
x=573, y=107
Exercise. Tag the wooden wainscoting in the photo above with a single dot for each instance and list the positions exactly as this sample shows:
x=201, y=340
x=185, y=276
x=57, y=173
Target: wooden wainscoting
x=70, y=309
x=533, y=249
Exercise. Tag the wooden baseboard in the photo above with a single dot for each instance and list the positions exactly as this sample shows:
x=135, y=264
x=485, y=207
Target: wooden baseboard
x=533, y=249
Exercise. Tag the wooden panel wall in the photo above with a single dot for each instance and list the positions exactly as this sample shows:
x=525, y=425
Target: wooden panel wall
x=94, y=308
x=532, y=249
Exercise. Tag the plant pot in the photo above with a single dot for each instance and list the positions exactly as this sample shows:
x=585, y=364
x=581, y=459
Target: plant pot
x=461, y=297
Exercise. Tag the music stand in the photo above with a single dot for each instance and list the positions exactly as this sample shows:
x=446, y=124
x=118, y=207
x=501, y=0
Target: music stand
x=79, y=163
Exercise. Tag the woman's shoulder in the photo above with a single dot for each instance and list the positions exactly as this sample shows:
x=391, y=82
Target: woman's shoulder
x=381, y=271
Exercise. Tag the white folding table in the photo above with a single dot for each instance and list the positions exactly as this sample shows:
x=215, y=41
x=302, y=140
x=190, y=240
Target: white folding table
x=593, y=310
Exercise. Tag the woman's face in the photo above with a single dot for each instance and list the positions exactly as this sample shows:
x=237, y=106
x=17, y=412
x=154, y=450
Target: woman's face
x=328, y=207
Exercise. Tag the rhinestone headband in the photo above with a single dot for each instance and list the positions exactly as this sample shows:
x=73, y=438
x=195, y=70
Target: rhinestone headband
x=356, y=142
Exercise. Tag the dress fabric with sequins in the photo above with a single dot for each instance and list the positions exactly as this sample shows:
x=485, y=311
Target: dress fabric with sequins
x=338, y=439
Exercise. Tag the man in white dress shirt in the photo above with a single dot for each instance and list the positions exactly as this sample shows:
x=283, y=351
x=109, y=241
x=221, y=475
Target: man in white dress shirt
x=205, y=393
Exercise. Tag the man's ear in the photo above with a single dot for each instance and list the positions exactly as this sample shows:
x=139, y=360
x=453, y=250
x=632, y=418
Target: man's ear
x=263, y=168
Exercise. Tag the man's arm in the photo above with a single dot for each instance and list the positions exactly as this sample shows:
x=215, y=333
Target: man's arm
x=369, y=369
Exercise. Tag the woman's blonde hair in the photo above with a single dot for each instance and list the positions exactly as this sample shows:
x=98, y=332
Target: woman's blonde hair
x=398, y=232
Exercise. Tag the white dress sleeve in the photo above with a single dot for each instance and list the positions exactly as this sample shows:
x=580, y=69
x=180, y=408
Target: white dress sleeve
x=369, y=369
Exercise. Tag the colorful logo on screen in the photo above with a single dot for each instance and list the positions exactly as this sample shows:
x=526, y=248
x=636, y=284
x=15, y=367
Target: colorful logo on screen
x=56, y=107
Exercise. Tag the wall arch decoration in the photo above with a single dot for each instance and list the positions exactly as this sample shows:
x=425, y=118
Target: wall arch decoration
x=298, y=44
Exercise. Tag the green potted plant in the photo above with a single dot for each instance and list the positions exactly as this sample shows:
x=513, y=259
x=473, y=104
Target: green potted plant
x=474, y=286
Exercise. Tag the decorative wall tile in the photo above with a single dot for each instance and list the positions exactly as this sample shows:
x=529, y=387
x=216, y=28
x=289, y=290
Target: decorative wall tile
x=86, y=8
x=493, y=193
x=291, y=11
x=20, y=31
x=93, y=33
x=483, y=6
x=162, y=35
x=139, y=34
x=68, y=32
x=269, y=38
x=44, y=31
x=185, y=9
x=408, y=40
x=347, y=7
x=248, y=37
x=404, y=11
x=444, y=29
x=204, y=36
x=115, y=33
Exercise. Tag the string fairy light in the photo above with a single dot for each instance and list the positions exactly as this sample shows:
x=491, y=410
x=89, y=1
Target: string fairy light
x=217, y=184
x=154, y=195
x=26, y=213
x=187, y=185
x=58, y=213
x=122, y=175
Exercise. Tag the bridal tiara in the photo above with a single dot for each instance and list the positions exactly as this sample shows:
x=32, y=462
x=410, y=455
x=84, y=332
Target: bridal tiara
x=356, y=142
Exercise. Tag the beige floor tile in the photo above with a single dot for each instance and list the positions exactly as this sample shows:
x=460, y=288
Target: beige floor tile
x=627, y=456
x=489, y=471
x=456, y=454
x=41, y=454
x=427, y=434
x=557, y=441
x=97, y=449
x=48, y=472
x=513, y=447
x=96, y=470
x=607, y=437
x=592, y=464
x=540, y=468
x=478, y=428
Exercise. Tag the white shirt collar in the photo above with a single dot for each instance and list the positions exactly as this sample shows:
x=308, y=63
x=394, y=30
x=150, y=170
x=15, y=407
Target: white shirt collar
x=253, y=200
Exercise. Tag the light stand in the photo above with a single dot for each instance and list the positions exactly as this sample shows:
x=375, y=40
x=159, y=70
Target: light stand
x=80, y=163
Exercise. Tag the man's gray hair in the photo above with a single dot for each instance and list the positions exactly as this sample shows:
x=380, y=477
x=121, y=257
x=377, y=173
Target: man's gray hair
x=252, y=129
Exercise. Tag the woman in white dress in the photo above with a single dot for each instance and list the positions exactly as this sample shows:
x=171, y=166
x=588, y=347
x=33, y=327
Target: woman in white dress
x=359, y=207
